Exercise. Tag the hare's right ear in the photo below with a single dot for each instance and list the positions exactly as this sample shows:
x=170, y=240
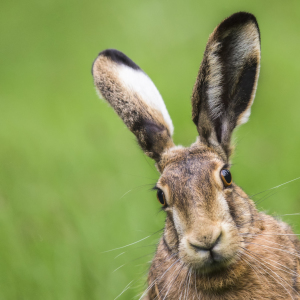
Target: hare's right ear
x=227, y=79
x=135, y=99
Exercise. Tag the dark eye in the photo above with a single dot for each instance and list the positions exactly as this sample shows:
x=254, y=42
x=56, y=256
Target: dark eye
x=161, y=197
x=226, y=177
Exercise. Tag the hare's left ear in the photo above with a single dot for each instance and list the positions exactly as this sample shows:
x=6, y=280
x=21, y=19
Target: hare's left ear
x=227, y=80
x=135, y=99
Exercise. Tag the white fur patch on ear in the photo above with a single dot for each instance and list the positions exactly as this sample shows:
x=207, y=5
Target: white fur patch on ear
x=214, y=90
x=247, y=42
x=138, y=82
x=244, y=117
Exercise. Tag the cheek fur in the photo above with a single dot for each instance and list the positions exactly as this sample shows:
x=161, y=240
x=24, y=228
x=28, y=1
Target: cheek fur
x=170, y=234
x=179, y=224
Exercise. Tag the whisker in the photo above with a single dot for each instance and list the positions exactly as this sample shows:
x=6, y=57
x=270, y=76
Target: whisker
x=156, y=267
x=181, y=268
x=274, y=248
x=262, y=264
x=269, y=234
x=252, y=267
x=275, y=187
x=188, y=285
x=295, y=214
x=135, y=188
x=170, y=257
x=132, y=243
x=183, y=280
x=166, y=284
x=151, y=285
x=292, y=271
x=118, y=268
x=269, y=195
x=119, y=255
x=196, y=285
x=125, y=289
x=133, y=261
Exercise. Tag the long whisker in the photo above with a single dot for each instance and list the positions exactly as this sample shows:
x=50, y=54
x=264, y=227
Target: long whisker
x=125, y=289
x=269, y=195
x=132, y=261
x=252, y=267
x=170, y=257
x=188, y=285
x=274, y=249
x=286, y=270
x=157, y=267
x=172, y=283
x=133, y=243
x=292, y=272
x=157, y=293
x=166, y=284
x=119, y=255
x=295, y=214
x=268, y=234
x=275, y=187
x=255, y=254
x=151, y=285
x=183, y=280
x=135, y=188
x=262, y=264
x=196, y=285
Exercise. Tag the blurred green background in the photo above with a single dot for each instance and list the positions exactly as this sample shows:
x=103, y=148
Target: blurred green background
x=73, y=183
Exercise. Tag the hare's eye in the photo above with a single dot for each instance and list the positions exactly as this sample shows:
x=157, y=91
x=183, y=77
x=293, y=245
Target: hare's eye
x=161, y=197
x=226, y=177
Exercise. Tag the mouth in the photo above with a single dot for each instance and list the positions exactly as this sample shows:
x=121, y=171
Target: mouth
x=208, y=261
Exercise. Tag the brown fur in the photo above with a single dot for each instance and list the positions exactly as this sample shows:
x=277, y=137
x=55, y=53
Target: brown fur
x=267, y=255
x=215, y=245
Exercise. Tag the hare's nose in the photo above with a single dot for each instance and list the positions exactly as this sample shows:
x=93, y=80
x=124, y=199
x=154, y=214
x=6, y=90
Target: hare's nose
x=206, y=245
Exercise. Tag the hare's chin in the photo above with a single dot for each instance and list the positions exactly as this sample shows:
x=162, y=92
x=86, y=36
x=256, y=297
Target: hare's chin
x=213, y=266
x=208, y=263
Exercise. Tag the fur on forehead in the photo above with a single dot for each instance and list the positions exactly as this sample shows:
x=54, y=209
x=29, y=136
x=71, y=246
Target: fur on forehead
x=181, y=154
x=135, y=99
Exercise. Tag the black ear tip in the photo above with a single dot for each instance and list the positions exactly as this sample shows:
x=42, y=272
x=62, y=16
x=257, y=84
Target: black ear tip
x=238, y=19
x=242, y=17
x=118, y=57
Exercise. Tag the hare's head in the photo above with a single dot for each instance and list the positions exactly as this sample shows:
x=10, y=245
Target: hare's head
x=206, y=212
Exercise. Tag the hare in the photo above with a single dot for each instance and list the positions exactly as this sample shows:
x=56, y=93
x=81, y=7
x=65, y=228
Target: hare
x=215, y=244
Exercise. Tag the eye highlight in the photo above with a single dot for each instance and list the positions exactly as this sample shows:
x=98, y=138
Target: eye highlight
x=161, y=197
x=226, y=177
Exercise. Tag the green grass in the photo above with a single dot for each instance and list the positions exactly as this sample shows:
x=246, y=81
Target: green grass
x=67, y=161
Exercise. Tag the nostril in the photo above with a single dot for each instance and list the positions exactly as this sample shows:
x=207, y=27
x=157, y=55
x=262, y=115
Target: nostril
x=206, y=246
x=200, y=248
x=218, y=239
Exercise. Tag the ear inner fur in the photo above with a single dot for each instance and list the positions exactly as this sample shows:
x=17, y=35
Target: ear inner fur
x=227, y=79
